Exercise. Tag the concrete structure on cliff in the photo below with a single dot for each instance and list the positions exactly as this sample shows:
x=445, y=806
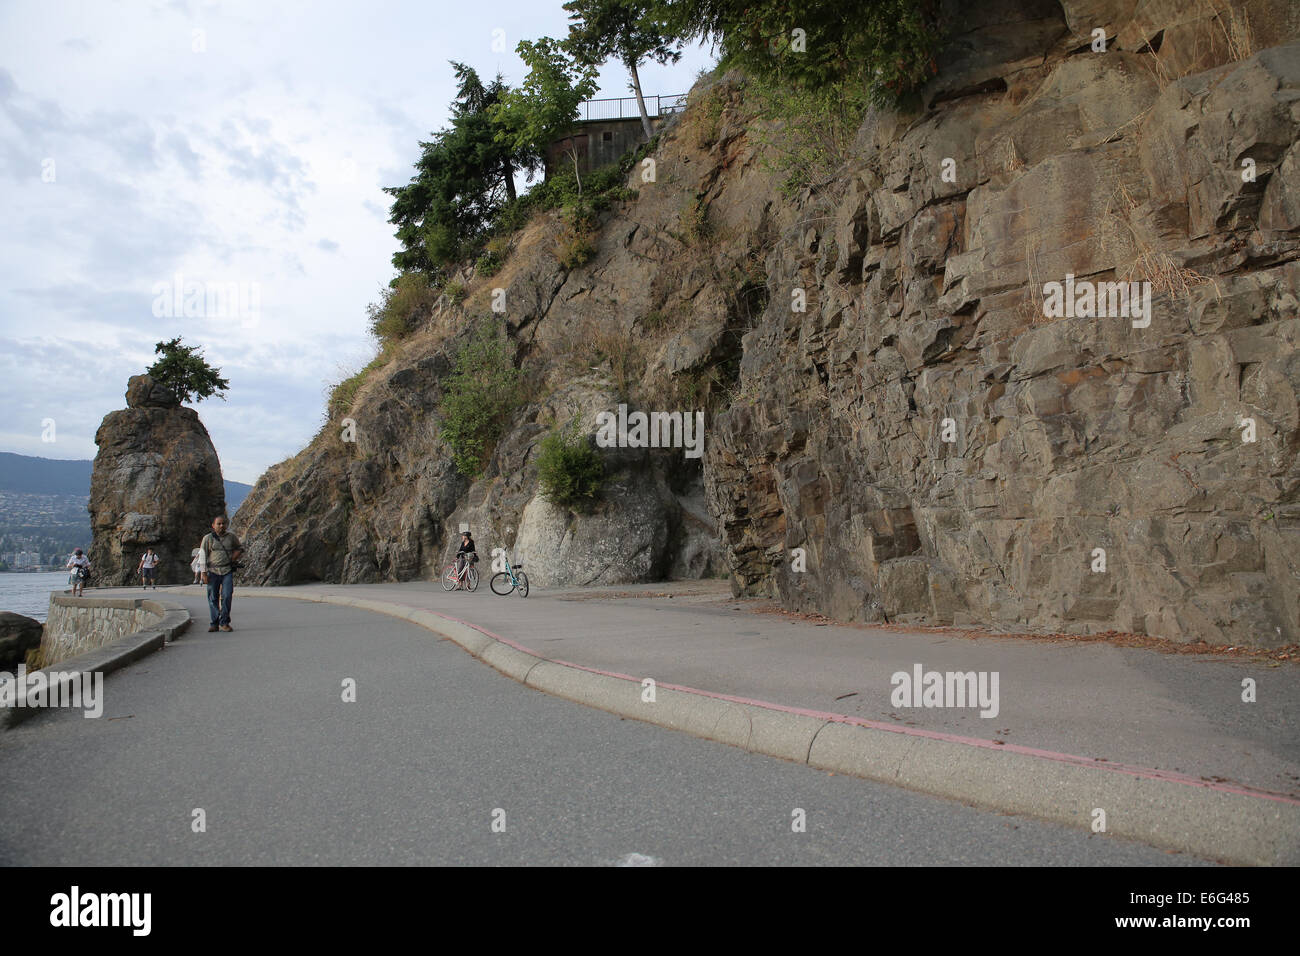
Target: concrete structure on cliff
x=156, y=483
x=607, y=129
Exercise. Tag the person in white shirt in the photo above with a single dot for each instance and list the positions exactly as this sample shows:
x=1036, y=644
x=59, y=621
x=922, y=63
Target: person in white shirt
x=148, y=564
x=79, y=565
x=196, y=563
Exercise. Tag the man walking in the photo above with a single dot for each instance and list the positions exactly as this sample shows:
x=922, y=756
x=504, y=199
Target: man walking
x=147, y=569
x=218, y=553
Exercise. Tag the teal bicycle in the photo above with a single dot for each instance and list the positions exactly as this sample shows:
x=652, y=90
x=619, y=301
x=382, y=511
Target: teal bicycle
x=511, y=579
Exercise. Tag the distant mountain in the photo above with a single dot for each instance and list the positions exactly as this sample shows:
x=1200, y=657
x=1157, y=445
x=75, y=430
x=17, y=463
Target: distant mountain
x=236, y=492
x=51, y=476
x=44, y=476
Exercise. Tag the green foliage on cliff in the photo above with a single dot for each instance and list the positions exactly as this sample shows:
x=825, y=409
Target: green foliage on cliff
x=596, y=192
x=493, y=257
x=886, y=46
x=820, y=61
x=816, y=137
x=464, y=175
x=401, y=308
x=693, y=221
x=569, y=470
x=462, y=198
x=576, y=243
x=532, y=116
x=454, y=292
x=478, y=398
x=183, y=372
x=573, y=249
x=344, y=394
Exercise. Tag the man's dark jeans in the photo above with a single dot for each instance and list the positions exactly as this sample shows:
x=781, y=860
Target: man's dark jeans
x=223, y=586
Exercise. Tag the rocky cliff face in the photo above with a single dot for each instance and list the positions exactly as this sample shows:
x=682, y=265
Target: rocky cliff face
x=945, y=451
x=941, y=442
x=156, y=483
x=18, y=635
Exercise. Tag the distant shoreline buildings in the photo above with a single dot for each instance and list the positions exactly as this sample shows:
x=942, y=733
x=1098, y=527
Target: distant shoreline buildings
x=30, y=561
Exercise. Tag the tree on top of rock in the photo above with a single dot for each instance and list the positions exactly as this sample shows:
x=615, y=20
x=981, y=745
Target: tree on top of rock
x=184, y=373
x=631, y=30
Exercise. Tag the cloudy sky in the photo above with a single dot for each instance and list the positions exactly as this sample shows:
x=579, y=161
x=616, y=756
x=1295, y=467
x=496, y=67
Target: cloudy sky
x=242, y=145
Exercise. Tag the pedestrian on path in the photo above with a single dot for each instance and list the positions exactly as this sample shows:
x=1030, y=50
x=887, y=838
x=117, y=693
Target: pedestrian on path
x=195, y=564
x=148, y=568
x=79, y=565
x=219, y=553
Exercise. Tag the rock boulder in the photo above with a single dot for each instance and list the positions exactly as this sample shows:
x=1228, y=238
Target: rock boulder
x=156, y=483
x=18, y=635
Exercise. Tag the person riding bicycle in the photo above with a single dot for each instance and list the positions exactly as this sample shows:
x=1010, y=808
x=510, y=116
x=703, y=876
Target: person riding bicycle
x=466, y=552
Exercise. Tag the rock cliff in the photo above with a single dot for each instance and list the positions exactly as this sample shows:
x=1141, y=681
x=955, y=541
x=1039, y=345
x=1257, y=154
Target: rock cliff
x=18, y=635
x=156, y=482
x=889, y=386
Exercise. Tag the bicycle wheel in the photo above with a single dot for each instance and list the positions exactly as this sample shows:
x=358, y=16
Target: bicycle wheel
x=522, y=587
x=471, y=579
x=501, y=583
x=449, y=578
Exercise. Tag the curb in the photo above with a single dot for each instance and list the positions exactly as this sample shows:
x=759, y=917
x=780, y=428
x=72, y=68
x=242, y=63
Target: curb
x=103, y=660
x=1167, y=810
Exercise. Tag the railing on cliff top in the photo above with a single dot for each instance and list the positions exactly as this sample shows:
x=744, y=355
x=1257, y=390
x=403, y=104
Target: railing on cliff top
x=625, y=107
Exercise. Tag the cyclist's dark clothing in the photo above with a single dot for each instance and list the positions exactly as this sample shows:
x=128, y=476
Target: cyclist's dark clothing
x=466, y=552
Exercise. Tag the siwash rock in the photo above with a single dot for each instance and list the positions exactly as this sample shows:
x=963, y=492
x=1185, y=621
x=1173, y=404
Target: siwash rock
x=156, y=482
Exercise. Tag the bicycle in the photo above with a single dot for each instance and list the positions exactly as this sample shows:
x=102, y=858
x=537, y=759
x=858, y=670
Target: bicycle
x=503, y=582
x=468, y=576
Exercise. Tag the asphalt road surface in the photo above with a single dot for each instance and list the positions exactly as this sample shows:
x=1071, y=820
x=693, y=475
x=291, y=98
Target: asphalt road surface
x=252, y=729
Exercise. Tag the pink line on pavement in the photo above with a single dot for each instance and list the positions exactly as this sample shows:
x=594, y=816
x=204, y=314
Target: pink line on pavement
x=1091, y=763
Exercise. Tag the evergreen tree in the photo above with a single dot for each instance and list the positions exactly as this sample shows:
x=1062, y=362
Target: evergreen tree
x=183, y=372
x=464, y=176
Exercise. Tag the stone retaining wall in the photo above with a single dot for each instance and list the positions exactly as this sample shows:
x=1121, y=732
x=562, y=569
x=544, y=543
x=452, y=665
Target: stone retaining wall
x=85, y=636
x=76, y=625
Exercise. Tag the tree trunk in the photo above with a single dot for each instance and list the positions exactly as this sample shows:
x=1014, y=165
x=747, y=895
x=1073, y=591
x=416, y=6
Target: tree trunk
x=573, y=152
x=510, y=179
x=640, y=100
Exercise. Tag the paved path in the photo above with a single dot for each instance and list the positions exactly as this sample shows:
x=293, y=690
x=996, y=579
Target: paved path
x=251, y=727
x=1169, y=712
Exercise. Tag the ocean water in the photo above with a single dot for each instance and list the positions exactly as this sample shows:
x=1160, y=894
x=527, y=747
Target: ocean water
x=29, y=594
